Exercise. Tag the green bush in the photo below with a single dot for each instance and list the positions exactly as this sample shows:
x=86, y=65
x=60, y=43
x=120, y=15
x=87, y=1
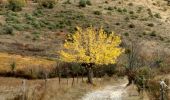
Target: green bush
x=16, y=5
x=131, y=12
x=157, y=15
x=8, y=30
x=47, y=3
x=88, y=2
x=97, y=13
x=131, y=26
x=13, y=66
x=124, y=10
x=126, y=34
x=119, y=10
x=151, y=24
x=153, y=34
x=110, y=8
x=82, y=3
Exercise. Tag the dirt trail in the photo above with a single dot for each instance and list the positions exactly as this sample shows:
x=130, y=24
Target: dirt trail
x=113, y=92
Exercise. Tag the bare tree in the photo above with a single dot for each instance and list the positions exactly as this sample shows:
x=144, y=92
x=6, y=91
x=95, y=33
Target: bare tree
x=134, y=60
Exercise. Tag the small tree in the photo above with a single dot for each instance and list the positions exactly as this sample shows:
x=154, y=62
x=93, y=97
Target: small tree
x=91, y=47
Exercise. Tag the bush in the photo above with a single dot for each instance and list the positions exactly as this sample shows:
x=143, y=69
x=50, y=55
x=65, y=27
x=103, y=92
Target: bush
x=82, y=3
x=126, y=34
x=151, y=24
x=16, y=5
x=119, y=10
x=131, y=26
x=88, y=2
x=157, y=15
x=124, y=10
x=153, y=33
x=97, y=13
x=131, y=12
x=130, y=4
x=110, y=8
x=13, y=66
x=8, y=30
x=47, y=3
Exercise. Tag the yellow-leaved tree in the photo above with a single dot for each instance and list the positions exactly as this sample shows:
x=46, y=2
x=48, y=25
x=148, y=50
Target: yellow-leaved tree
x=91, y=47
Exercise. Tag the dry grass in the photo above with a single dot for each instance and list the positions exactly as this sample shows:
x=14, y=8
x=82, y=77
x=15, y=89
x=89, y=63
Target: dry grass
x=11, y=88
x=22, y=62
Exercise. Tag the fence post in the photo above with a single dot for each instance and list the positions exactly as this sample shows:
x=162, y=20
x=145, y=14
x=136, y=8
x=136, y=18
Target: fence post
x=161, y=92
x=143, y=85
x=162, y=87
x=24, y=90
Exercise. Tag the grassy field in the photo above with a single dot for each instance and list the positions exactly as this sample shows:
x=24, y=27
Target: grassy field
x=23, y=62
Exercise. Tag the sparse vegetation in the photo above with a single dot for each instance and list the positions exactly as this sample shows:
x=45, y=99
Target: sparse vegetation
x=47, y=3
x=16, y=5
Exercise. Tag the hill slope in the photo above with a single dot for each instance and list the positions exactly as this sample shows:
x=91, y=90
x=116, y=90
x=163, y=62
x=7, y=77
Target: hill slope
x=41, y=31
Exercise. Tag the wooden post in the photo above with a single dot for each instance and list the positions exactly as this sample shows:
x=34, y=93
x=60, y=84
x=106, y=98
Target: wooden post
x=24, y=90
x=143, y=86
x=73, y=81
x=77, y=79
x=161, y=93
x=46, y=80
x=162, y=87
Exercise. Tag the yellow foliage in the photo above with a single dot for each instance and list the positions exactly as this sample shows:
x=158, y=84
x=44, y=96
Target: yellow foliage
x=91, y=46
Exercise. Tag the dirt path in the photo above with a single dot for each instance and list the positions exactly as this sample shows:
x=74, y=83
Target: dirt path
x=118, y=91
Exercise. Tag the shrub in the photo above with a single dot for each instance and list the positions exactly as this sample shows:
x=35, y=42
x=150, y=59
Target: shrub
x=139, y=9
x=151, y=24
x=157, y=15
x=126, y=34
x=153, y=33
x=124, y=10
x=117, y=24
x=110, y=8
x=131, y=26
x=130, y=4
x=131, y=12
x=150, y=13
x=67, y=2
x=88, y=2
x=13, y=66
x=47, y=3
x=19, y=27
x=16, y=5
x=82, y=3
x=97, y=13
x=127, y=18
x=8, y=30
x=12, y=17
x=119, y=10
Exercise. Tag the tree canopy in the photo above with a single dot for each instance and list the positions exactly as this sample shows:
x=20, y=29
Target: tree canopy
x=92, y=46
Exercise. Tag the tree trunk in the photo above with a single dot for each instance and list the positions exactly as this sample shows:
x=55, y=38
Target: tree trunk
x=73, y=81
x=77, y=79
x=82, y=77
x=90, y=75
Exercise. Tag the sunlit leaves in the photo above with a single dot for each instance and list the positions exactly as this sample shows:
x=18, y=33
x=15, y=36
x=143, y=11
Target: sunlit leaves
x=92, y=46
